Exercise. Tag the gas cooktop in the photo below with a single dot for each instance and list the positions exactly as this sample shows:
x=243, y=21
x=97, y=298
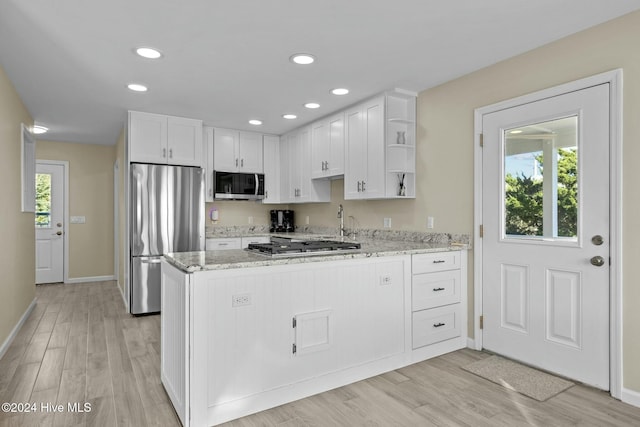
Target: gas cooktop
x=283, y=247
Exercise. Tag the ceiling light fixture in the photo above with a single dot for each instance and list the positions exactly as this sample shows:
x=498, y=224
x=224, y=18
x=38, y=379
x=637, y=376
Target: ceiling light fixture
x=289, y=116
x=514, y=132
x=312, y=105
x=255, y=122
x=148, y=52
x=340, y=91
x=302, y=58
x=136, y=87
x=37, y=129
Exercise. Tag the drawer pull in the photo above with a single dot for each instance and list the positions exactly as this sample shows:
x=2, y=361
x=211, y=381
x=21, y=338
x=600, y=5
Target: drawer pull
x=437, y=325
x=438, y=289
x=438, y=261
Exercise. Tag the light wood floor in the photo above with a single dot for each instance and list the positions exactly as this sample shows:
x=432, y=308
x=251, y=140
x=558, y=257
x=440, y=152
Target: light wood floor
x=80, y=346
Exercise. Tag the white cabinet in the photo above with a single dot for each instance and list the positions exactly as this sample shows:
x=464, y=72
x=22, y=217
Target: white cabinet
x=296, y=185
x=237, y=151
x=380, y=148
x=245, y=241
x=208, y=155
x=271, y=145
x=223, y=244
x=327, y=147
x=436, y=298
x=364, y=154
x=155, y=138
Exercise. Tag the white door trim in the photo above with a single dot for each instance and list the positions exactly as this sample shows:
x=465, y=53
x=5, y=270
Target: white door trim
x=65, y=236
x=614, y=78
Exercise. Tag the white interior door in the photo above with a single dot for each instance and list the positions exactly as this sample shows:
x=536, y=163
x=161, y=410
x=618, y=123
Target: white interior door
x=49, y=222
x=545, y=215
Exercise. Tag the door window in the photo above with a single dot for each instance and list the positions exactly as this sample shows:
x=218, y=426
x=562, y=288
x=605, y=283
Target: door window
x=541, y=181
x=43, y=200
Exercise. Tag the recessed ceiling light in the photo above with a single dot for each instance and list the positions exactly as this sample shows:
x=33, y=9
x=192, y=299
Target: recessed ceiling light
x=289, y=116
x=149, y=52
x=137, y=87
x=340, y=91
x=255, y=122
x=302, y=58
x=37, y=129
x=312, y=105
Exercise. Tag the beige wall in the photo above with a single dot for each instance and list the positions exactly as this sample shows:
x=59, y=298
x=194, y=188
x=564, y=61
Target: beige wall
x=232, y=212
x=17, y=254
x=122, y=216
x=91, y=196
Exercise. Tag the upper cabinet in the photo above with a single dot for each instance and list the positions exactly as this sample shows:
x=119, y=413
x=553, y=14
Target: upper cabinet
x=380, y=155
x=155, y=138
x=327, y=147
x=208, y=171
x=237, y=151
x=271, y=145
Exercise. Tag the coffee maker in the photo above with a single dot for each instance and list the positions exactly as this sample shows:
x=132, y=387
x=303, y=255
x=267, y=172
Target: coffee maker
x=281, y=221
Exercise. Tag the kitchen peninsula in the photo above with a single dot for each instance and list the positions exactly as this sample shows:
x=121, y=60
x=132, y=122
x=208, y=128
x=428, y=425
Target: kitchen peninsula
x=243, y=332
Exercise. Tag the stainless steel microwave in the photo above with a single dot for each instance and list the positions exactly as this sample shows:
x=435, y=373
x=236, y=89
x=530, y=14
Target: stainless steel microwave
x=238, y=186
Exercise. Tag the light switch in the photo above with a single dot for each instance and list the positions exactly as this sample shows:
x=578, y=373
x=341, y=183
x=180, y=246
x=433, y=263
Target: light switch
x=78, y=220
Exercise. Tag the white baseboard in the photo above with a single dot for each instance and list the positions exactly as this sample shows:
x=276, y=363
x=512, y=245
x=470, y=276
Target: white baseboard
x=471, y=343
x=90, y=279
x=16, y=329
x=631, y=397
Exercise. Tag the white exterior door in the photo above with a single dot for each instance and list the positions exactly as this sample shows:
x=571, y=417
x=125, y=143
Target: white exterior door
x=545, y=215
x=49, y=222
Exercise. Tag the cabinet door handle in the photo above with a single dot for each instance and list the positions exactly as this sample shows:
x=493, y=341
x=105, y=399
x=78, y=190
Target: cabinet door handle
x=266, y=194
x=171, y=153
x=359, y=186
x=164, y=152
x=363, y=189
x=211, y=192
x=438, y=325
x=438, y=289
x=439, y=261
x=236, y=162
x=241, y=163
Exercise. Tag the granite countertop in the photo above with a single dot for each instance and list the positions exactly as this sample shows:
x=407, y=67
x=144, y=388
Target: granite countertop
x=238, y=258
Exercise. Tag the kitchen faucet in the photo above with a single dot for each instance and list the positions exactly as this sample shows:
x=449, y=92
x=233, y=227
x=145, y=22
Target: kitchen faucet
x=341, y=216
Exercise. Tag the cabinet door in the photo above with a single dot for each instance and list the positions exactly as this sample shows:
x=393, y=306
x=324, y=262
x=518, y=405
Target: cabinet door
x=373, y=116
x=271, y=145
x=319, y=149
x=225, y=150
x=184, y=141
x=355, y=154
x=147, y=137
x=295, y=165
x=250, y=152
x=336, y=145
x=208, y=154
x=304, y=165
x=285, y=169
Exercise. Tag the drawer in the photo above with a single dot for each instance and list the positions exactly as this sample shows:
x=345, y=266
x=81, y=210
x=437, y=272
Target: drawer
x=222, y=244
x=435, y=325
x=440, y=261
x=431, y=290
x=256, y=239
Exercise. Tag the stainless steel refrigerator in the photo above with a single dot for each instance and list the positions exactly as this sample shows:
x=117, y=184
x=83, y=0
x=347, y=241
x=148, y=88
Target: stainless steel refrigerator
x=166, y=215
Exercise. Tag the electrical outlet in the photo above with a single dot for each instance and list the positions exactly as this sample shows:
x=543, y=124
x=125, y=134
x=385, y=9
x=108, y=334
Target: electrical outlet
x=240, y=300
x=387, y=223
x=306, y=220
x=250, y=220
x=77, y=220
x=429, y=222
x=385, y=280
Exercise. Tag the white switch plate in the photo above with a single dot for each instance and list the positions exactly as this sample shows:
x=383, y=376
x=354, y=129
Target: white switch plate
x=387, y=223
x=240, y=300
x=306, y=220
x=385, y=280
x=429, y=222
x=78, y=220
x=250, y=220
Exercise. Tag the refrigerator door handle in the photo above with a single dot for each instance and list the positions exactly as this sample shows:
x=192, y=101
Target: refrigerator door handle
x=152, y=261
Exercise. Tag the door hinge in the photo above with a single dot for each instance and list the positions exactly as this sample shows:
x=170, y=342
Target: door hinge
x=481, y=140
x=294, y=323
x=482, y=322
x=481, y=230
x=293, y=348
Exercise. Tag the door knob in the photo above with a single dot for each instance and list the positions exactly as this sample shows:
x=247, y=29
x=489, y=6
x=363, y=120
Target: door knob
x=597, y=240
x=59, y=224
x=598, y=261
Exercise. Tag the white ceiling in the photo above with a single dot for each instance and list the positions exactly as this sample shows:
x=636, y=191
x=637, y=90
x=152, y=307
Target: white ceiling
x=228, y=61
